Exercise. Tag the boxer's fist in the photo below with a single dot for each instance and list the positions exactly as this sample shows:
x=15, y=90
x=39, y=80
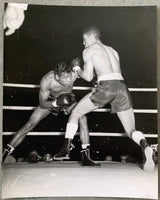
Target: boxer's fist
x=62, y=100
x=75, y=64
x=76, y=69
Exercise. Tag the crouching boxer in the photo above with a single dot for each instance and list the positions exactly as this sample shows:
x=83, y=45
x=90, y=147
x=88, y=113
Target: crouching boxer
x=55, y=95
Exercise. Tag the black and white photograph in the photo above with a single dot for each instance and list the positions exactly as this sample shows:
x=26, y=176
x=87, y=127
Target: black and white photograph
x=79, y=114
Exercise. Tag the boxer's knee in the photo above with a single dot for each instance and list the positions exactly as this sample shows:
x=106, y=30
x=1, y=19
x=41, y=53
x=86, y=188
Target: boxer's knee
x=83, y=125
x=76, y=115
x=83, y=120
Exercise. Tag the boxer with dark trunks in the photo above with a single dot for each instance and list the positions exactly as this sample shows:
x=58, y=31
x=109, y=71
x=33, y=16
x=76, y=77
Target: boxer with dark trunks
x=114, y=92
x=104, y=61
x=55, y=95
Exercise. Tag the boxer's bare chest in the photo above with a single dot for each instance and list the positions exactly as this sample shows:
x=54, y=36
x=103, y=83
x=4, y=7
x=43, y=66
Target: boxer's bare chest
x=56, y=89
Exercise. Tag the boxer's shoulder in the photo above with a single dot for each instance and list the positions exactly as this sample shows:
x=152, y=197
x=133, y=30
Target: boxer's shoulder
x=47, y=79
x=91, y=49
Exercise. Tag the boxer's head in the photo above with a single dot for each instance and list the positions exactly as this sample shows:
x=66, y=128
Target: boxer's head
x=90, y=36
x=63, y=74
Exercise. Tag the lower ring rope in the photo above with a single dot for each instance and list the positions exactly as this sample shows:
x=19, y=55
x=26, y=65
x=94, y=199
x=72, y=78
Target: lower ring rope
x=91, y=134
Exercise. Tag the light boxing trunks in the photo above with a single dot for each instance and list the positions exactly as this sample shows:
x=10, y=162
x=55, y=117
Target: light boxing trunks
x=113, y=91
x=56, y=110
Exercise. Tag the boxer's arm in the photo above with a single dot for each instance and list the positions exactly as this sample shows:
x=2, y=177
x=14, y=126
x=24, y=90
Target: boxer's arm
x=44, y=95
x=87, y=72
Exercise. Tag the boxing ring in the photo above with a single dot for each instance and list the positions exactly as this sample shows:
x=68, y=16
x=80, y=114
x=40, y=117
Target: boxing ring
x=69, y=178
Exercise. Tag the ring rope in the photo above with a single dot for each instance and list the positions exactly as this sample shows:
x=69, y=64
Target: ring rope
x=97, y=110
x=76, y=87
x=90, y=134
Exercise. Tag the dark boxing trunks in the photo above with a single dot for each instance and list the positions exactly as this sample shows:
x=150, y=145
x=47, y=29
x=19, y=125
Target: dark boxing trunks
x=56, y=110
x=114, y=92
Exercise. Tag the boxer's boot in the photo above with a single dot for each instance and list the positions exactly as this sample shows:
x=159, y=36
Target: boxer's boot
x=86, y=160
x=148, y=162
x=64, y=153
x=7, y=151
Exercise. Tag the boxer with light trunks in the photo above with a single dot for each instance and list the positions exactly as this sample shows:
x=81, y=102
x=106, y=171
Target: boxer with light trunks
x=104, y=61
x=55, y=96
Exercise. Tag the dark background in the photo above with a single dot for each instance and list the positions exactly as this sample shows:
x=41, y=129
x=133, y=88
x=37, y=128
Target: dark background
x=51, y=34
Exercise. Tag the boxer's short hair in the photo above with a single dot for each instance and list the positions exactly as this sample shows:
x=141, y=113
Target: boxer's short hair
x=62, y=67
x=92, y=30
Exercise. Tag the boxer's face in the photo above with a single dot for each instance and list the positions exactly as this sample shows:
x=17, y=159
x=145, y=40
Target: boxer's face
x=87, y=40
x=65, y=78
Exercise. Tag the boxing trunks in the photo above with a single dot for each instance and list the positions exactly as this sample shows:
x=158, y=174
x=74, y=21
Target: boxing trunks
x=56, y=110
x=113, y=91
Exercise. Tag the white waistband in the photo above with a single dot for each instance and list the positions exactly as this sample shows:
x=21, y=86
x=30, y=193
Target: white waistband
x=110, y=76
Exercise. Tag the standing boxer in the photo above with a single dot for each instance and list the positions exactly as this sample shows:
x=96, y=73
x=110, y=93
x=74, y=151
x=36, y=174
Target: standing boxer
x=111, y=88
x=55, y=95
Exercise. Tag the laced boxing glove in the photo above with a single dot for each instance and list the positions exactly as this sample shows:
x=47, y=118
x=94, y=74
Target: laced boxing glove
x=54, y=109
x=75, y=64
x=64, y=100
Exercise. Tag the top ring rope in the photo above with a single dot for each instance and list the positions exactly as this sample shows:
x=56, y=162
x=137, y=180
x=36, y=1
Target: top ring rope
x=76, y=87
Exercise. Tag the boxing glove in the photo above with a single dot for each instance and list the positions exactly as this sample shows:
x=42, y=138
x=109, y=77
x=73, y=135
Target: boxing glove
x=75, y=64
x=62, y=100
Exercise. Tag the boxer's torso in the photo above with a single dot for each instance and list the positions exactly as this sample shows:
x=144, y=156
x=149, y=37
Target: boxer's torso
x=55, y=88
x=105, y=59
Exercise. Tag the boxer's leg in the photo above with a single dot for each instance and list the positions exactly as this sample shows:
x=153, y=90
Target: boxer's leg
x=84, y=106
x=128, y=121
x=35, y=118
x=84, y=136
x=84, y=132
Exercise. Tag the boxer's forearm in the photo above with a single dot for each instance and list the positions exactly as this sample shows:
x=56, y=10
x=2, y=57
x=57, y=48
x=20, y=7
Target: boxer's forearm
x=46, y=104
x=85, y=75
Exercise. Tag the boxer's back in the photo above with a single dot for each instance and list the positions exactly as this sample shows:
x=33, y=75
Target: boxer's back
x=105, y=59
